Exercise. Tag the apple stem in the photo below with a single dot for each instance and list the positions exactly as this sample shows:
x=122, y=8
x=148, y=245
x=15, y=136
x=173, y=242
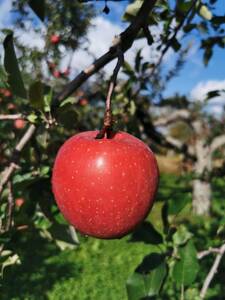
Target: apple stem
x=108, y=119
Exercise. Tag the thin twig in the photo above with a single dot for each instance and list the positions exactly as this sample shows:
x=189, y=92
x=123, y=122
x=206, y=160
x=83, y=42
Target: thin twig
x=107, y=125
x=9, y=216
x=204, y=253
x=6, y=175
x=11, y=117
x=212, y=271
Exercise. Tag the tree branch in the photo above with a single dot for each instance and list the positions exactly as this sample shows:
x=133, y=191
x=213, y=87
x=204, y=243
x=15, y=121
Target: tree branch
x=217, y=142
x=9, y=217
x=159, y=138
x=212, y=271
x=124, y=41
x=181, y=114
x=7, y=173
x=11, y=117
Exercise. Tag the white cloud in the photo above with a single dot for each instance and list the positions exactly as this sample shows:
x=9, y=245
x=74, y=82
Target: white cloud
x=199, y=93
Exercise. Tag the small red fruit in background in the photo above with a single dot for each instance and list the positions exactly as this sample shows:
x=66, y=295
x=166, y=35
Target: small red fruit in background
x=7, y=93
x=55, y=39
x=83, y=102
x=19, y=124
x=56, y=74
x=11, y=106
x=19, y=202
x=105, y=187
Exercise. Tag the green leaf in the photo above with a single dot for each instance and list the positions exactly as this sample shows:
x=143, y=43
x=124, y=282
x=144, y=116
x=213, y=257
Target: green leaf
x=207, y=55
x=32, y=118
x=36, y=95
x=38, y=7
x=11, y=66
x=186, y=268
x=155, y=280
x=217, y=20
x=135, y=287
x=148, y=277
x=175, y=44
x=181, y=236
x=174, y=207
x=184, y=6
x=138, y=59
x=132, y=9
x=205, y=13
x=214, y=93
x=147, y=233
x=8, y=259
x=127, y=69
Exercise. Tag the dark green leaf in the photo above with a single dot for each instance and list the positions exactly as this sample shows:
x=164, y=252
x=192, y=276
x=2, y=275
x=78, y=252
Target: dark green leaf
x=147, y=233
x=217, y=20
x=207, y=55
x=38, y=7
x=213, y=94
x=184, y=6
x=175, y=44
x=148, y=277
x=36, y=95
x=186, y=268
x=175, y=206
x=135, y=287
x=181, y=236
x=138, y=59
x=11, y=66
x=64, y=233
x=189, y=27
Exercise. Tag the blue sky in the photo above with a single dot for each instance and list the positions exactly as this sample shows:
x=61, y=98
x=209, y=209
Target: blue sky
x=194, y=79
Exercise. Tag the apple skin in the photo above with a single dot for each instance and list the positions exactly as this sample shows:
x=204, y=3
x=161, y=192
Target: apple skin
x=55, y=39
x=19, y=124
x=19, y=202
x=105, y=187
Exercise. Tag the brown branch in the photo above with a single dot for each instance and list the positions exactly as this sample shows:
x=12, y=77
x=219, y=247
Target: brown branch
x=217, y=142
x=11, y=117
x=108, y=120
x=124, y=41
x=7, y=173
x=181, y=114
x=159, y=138
x=212, y=271
x=9, y=216
x=204, y=253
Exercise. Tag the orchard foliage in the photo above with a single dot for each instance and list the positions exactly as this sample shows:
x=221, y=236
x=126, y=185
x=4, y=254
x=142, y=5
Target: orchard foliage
x=30, y=79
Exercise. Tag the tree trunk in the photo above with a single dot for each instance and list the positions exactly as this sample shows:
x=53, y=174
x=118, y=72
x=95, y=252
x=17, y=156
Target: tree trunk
x=201, y=201
x=201, y=196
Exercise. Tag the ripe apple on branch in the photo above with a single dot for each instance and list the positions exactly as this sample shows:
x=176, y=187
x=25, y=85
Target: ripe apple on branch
x=105, y=182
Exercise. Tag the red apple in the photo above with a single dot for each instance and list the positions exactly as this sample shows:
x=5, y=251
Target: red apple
x=19, y=202
x=7, y=93
x=19, y=124
x=105, y=187
x=11, y=106
x=83, y=102
x=56, y=74
x=55, y=39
